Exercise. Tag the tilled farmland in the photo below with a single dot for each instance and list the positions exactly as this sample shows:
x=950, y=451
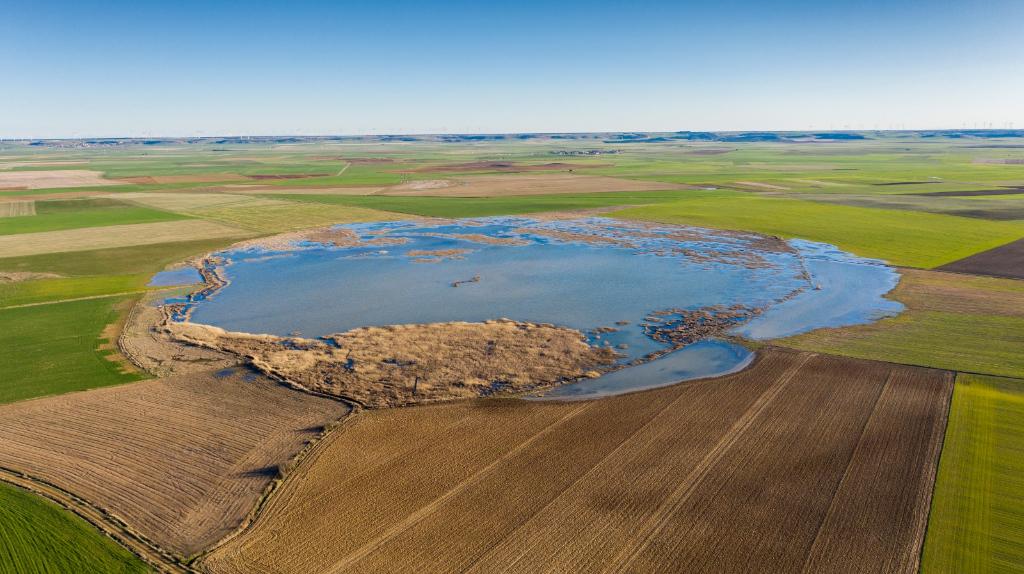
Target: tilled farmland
x=181, y=461
x=802, y=462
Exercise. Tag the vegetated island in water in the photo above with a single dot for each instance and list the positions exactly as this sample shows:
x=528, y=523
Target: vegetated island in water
x=561, y=308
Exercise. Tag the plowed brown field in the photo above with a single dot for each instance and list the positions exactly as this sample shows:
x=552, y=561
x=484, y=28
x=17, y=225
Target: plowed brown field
x=180, y=460
x=803, y=461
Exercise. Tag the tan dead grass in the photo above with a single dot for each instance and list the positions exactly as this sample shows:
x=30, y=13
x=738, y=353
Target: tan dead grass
x=406, y=364
x=188, y=202
x=182, y=460
x=114, y=236
x=17, y=208
x=45, y=179
x=771, y=469
x=532, y=184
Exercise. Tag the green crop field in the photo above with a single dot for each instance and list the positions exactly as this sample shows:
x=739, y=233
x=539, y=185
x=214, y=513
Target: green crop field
x=902, y=238
x=54, y=348
x=955, y=322
x=78, y=213
x=37, y=536
x=42, y=290
x=116, y=261
x=977, y=516
x=489, y=206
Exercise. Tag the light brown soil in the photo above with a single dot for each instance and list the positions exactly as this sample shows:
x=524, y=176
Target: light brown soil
x=498, y=185
x=407, y=364
x=150, y=348
x=16, y=276
x=17, y=208
x=113, y=236
x=802, y=462
x=181, y=460
x=45, y=179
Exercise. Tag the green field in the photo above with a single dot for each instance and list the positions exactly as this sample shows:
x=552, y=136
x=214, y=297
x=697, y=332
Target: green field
x=955, y=322
x=42, y=290
x=489, y=206
x=905, y=238
x=116, y=261
x=77, y=213
x=977, y=516
x=37, y=536
x=54, y=348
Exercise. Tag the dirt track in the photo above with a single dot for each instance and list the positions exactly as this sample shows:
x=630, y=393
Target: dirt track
x=181, y=460
x=801, y=462
x=1004, y=261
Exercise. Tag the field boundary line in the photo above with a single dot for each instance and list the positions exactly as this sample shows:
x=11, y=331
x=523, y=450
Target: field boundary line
x=433, y=505
x=933, y=477
x=87, y=298
x=849, y=464
x=108, y=524
x=654, y=525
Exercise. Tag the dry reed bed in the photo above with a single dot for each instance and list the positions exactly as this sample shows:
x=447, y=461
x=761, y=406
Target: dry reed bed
x=801, y=462
x=180, y=460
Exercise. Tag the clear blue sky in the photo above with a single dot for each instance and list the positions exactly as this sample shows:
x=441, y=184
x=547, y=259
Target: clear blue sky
x=82, y=68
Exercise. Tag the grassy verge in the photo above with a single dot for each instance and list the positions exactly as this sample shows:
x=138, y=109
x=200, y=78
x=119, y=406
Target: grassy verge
x=36, y=535
x=43, y=290
x=977, y=517
x=905, y=238
x=78, y=213
x=55, y=349
x=955, y=322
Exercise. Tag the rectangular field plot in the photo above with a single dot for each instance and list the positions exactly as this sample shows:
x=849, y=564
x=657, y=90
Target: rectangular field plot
x=113, y=236
x=802, y=461
x=977, y=518
x=180, y=460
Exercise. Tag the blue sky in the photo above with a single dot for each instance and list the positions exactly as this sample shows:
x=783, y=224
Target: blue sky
x=85, y=69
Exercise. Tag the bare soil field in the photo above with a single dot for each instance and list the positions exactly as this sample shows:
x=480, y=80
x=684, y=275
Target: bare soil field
x=498, y=185
x=17, y=208
x=180, y=460
x=802, y=462
x=45, y=179
x=1003, y=261
x=114, y=236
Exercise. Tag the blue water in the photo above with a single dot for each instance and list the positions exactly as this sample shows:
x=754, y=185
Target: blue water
x=183, y=276
x=318, y=290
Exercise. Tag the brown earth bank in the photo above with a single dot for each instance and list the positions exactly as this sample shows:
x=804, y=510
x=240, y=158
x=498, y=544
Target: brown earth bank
x=1003, y=261
x=182, y=460
x=407, y=364
x=802, y=462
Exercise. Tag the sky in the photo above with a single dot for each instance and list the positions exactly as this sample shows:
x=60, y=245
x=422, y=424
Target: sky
x=81, y=68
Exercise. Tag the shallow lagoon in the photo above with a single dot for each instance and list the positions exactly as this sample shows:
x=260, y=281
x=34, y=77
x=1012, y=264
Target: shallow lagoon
x=585, y=274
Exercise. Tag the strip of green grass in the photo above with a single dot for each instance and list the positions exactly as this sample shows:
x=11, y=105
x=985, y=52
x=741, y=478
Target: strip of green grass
x=37, y=536
x=488, y=206
x=42, y=290
x=78, y=213
x=906, y=238
x=977, y=517
x=54, y=349
x=115, y=261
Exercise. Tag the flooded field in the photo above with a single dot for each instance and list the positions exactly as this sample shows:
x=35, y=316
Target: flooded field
x=666, y=299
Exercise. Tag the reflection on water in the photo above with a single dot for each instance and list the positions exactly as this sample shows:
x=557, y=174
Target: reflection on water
x=600, y=276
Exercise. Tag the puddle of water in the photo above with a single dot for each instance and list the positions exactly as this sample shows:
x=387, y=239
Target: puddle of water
x=615, y=280
x=708, y=358
x=183, y=276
